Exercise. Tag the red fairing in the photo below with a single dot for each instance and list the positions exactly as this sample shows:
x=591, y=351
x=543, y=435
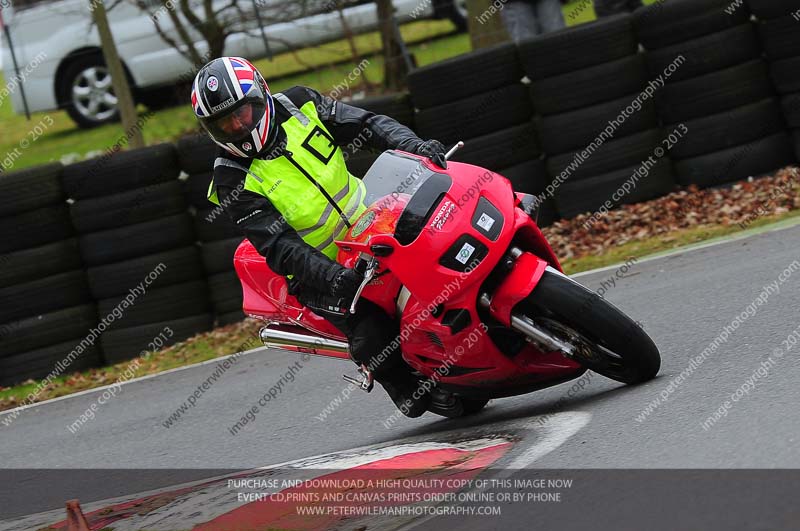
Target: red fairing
x=380, y=218
x=519, y=283
x=265, y=294
x=527, y=271
x=432, y=283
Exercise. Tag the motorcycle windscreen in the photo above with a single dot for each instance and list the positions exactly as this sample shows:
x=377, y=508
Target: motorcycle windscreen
x=395, y=175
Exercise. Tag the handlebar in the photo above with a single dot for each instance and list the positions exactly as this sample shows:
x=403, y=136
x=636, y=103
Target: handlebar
x=369, y=264
x=459, y=145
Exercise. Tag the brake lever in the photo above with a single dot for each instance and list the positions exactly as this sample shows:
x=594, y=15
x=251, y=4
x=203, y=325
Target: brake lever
x=369, y=274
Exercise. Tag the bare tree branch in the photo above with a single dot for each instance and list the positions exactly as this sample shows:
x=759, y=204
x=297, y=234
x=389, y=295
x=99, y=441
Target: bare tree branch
x=191, y=52
x=187, y=12
x=224, y=8
x=214, y=22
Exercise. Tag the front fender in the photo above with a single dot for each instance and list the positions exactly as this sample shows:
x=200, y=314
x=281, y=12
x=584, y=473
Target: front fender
x=518, y=284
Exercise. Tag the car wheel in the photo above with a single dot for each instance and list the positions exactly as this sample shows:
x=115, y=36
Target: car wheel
x=87, y=92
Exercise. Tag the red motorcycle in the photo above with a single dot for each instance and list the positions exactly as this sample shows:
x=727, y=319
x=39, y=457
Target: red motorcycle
x=484, y=308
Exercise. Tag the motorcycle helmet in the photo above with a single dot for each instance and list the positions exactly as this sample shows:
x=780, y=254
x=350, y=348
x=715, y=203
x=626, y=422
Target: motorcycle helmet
x=233, y=104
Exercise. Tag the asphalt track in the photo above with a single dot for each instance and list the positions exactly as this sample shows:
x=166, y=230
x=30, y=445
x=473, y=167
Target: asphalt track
x=684, y=302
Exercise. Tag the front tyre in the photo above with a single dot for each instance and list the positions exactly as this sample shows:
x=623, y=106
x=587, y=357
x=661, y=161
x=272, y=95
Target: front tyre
x=607, y=341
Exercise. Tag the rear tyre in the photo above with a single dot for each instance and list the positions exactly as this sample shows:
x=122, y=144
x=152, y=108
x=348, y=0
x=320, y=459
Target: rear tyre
x=454, y=407
x=473, y=405
x=609, y=342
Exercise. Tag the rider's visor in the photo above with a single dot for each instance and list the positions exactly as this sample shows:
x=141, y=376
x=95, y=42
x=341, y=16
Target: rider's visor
x=237, y=124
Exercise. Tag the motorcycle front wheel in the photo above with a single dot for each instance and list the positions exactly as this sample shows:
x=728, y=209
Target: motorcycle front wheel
x=607, y=341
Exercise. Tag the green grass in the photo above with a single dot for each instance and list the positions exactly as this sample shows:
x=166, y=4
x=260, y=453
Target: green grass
x=206, y=346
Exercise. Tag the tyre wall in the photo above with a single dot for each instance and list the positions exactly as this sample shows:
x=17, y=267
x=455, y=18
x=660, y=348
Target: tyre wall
x=98, y=258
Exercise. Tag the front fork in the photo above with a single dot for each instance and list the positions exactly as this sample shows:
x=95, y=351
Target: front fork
x=525, y=271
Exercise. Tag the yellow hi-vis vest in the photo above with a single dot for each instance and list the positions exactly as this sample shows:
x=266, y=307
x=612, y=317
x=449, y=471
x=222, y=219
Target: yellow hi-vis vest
x=309, y=183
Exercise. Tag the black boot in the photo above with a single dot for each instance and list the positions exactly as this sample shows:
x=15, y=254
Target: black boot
x=408, y=396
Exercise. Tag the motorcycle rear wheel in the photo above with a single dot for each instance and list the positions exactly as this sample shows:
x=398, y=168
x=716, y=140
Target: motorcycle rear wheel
x=608, y=341
x=453, y=406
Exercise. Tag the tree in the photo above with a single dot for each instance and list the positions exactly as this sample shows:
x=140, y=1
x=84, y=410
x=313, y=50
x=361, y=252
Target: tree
x=214, y=21
x=485, y=24
x=119, y=80
x=395, y=67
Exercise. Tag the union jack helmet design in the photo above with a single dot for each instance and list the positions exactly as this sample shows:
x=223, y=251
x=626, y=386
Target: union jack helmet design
x=233, y=103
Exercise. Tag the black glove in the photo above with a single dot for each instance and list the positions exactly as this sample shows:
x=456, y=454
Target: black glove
x=345, y=283
x=434, y=150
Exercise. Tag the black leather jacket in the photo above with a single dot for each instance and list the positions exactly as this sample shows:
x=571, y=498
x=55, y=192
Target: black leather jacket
x=286, y=253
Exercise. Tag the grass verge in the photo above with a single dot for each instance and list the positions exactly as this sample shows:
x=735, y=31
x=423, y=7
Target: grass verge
x=666, y=242
x=228, y=340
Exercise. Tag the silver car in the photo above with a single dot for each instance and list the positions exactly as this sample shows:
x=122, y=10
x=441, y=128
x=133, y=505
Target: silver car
x=59, y=62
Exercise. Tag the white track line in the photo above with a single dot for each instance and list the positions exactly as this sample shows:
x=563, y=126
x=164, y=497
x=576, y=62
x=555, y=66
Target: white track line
x=197, y=507
x=556, y=431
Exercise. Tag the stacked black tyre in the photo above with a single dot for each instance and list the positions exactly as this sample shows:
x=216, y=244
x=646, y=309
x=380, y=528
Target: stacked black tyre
x=718, y=100
x=47, y=313
x=217, y=235
x=224, y=286
x=196, y=155
x=779, y=31
x=596, y=128
x=137, y=242
x=398, y=106
x=480, y=98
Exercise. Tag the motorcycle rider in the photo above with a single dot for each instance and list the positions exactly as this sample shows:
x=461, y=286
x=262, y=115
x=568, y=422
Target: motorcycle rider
x=280, y=175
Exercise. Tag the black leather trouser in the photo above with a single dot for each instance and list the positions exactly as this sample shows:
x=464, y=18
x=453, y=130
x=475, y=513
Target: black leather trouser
x=373, y=335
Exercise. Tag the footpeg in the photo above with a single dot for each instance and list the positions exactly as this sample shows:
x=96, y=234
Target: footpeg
x=366, y=381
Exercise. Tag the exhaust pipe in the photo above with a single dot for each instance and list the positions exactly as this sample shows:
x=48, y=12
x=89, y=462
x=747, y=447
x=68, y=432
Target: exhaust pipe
x=300, y=342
